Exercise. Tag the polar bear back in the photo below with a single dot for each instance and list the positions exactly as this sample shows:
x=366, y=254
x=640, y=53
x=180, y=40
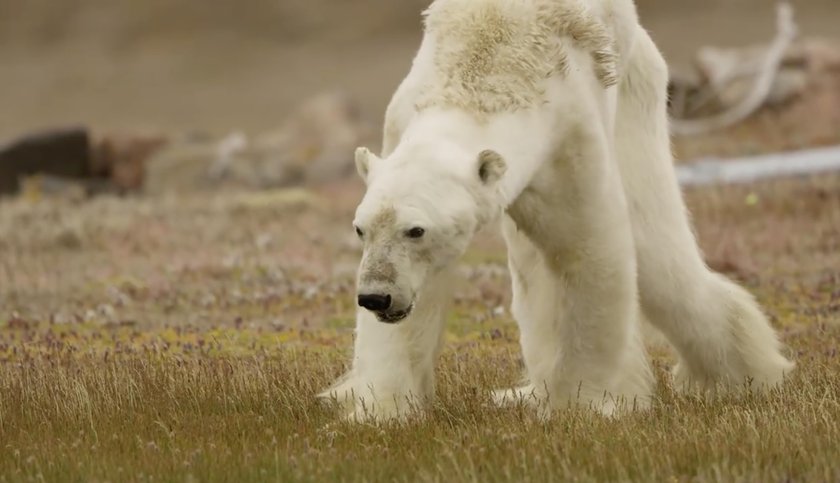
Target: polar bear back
x=494, y=56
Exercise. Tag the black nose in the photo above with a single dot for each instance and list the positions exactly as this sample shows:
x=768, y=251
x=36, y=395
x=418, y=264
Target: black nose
x=375, y=302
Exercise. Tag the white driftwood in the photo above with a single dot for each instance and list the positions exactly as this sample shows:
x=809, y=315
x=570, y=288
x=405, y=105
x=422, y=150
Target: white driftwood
x=753, y=168
x=761, y=89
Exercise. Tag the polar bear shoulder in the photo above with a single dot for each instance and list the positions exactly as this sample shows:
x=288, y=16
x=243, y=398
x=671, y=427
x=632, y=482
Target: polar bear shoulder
x=494, y=55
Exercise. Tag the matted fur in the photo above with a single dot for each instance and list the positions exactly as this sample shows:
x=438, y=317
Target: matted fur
x=494, y=56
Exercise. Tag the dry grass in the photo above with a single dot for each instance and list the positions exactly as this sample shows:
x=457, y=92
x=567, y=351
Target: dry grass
x=149, y=340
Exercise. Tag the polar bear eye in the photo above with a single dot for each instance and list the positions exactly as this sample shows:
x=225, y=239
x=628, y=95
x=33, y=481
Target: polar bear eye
x=415, y=232
x=359, y=232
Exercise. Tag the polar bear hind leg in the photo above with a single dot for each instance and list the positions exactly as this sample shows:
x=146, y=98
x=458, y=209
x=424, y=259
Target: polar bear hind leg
x=717, y=328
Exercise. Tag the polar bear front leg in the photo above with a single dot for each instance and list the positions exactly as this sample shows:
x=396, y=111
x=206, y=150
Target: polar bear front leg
x=580, y=337
x=392, y=376
x=393, y=370
x=384, y=382
x=573, y=267
x=528, y=281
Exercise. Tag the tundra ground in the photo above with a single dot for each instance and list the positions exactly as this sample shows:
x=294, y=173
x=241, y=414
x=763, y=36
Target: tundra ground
x=183, y=339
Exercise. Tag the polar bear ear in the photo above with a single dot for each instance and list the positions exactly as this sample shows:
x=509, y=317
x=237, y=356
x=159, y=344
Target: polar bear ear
x=364, y=158
x=491, y=166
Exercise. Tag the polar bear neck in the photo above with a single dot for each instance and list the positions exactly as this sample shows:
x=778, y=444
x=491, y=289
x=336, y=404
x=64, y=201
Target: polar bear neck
x=460, y=137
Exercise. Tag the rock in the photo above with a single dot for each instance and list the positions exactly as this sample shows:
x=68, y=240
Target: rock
x=254, y=164
x=201, y=165
x=122, y=157
x=324, y=133
x=313, y=146
x=62, y=153
x=182, y=165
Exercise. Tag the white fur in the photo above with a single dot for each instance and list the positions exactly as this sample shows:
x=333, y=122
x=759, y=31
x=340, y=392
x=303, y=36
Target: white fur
x=596, y=228
x=720, y=333
x=393, y=366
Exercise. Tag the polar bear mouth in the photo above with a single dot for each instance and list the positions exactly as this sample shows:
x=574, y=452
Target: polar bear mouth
x=394, y=317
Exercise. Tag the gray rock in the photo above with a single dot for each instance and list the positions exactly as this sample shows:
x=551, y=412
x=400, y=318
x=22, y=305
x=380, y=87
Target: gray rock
x=314, y=145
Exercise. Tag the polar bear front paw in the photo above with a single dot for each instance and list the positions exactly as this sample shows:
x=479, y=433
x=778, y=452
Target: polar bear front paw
x=512, y=397
x=366, y=406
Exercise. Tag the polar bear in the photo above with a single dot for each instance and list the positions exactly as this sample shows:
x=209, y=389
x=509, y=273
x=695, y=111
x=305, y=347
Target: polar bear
x=549, y=116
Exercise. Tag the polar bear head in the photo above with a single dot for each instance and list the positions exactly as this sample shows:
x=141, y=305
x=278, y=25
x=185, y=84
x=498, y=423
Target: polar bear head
x=421, y=209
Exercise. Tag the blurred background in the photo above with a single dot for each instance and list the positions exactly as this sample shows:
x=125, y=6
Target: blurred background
x=222, y=65
x=276, y=86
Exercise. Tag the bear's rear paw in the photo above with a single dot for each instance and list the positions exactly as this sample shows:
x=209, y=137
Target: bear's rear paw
x=767, y=375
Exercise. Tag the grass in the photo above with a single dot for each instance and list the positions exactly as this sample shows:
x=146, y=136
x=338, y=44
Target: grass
x=184, y=340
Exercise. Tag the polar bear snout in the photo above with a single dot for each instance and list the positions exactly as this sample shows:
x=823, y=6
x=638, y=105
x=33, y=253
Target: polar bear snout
x=385, y=301
x=375, y=302
x=387, y=308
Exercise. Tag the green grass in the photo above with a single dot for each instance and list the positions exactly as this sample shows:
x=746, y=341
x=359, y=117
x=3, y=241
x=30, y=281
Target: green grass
x=140, y=354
